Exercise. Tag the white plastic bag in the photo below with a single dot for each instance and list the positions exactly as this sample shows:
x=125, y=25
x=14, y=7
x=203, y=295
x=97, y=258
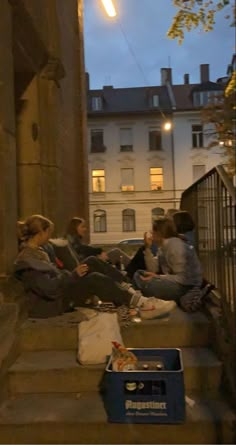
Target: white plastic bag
x=95, y=338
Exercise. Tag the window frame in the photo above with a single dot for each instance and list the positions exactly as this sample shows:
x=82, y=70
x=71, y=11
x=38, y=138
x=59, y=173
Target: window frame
x=128, y=220
x=157, y=146
x=98, y=177
x=127, y=187
x=197, y=136
x=104, y=217
x=124, y=148
x=151, y=175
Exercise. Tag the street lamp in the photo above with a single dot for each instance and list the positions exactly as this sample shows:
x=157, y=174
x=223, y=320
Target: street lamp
x=109, y=7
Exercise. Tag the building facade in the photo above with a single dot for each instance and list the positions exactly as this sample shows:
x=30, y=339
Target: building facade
x=138, y=168
x=43, y=156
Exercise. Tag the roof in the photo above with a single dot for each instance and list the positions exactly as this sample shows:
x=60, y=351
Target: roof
x=130, y=100
x=137, y=100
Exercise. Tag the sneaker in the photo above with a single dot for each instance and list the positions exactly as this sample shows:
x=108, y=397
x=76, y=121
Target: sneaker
x=155, y=308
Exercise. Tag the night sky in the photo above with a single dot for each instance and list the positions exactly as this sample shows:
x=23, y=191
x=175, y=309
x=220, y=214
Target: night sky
x=144, y=23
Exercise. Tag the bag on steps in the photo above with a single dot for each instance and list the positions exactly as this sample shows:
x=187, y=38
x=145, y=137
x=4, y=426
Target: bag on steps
x=95, y=338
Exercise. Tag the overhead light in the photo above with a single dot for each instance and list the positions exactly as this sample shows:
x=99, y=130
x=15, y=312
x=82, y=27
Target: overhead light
x=221, y=143
x=167, y=126
x=109, y=7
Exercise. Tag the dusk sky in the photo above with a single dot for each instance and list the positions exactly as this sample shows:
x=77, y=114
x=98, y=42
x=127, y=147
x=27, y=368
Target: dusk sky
x=109, y=60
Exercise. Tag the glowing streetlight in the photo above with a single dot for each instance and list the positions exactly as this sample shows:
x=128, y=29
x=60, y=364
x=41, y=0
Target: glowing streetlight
x=167, y=126
x=109, y=7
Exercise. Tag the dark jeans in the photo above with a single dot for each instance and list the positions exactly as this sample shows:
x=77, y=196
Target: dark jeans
x=98, y=284
x=97, y=265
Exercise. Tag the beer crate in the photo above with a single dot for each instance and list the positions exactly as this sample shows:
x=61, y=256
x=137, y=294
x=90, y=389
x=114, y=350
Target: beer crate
x=153, y=393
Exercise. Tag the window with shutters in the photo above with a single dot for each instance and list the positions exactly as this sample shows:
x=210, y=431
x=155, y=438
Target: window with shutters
x=126, y=139
x=156, y=178
x=98, y=181
x=128, y=220
x=155, y=142
x=127, y=179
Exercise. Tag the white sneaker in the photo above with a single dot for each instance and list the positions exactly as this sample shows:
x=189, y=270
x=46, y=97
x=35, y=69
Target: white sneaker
x=154, y=308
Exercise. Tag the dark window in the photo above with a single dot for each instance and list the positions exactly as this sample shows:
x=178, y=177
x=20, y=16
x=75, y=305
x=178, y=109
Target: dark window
x=197, y=136
x=155, y=140
x=128, y=219
x=100, y=221
x=158, y=211
x=97, y=145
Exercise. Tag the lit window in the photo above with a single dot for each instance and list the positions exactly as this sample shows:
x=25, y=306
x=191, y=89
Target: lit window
x=98, y=178
x=155, y=142
x=126, y=139
x=198, y=172
x=156, y=178
x=158, y=211
x=96, y=103
x=197, y=136
x=128, y=219
x=127, y=179
x=100, y=221
x=97, y=144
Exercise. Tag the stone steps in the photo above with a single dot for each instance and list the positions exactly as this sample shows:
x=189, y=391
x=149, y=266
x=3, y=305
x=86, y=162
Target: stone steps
x=58, y=371
x=177, y=330
x=81, y=419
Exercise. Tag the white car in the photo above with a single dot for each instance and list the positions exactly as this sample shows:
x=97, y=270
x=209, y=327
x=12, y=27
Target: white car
x=132, y=241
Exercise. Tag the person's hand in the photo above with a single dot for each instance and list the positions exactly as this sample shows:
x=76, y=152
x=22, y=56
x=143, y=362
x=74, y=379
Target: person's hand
x=82, y=270
x=103, y=256
x=148, y=239
x=147, y=276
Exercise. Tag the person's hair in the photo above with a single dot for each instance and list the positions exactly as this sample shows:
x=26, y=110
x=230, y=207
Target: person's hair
x=73, y=225
x=165, y=226
x=183, y=221
x=31, y=226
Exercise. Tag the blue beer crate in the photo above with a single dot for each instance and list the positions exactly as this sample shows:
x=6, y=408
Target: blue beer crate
x=147, y=396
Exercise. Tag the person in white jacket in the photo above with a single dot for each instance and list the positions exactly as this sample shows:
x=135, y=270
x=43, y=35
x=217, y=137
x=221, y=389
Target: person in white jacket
x=175, y=270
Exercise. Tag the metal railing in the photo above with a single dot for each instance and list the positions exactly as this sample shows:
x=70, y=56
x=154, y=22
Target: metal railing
x=212, y=203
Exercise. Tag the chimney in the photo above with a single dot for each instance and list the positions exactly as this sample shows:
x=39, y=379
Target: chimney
x=186, y=79
x=87, y=81
x=204, y=72
x=166, y=76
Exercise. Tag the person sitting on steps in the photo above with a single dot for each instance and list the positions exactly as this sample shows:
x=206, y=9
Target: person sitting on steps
x=177, y=268
x=52, y=291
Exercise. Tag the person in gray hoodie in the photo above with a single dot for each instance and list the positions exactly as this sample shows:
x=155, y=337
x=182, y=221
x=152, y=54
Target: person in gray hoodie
x=51, y=291
x=176, y=269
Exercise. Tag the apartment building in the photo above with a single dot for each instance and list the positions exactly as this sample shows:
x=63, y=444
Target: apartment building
x=138, y=168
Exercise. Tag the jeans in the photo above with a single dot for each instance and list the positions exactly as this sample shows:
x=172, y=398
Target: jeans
x=96, y=284
x=102, y=267
x=160, y=287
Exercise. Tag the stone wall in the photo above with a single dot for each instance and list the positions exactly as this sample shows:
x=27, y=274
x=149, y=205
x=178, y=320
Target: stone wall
x=43, y=162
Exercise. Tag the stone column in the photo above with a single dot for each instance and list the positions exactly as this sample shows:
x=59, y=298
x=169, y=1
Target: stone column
x=8, y=187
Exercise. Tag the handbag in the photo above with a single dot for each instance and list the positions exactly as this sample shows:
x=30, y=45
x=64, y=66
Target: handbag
x=95, y=338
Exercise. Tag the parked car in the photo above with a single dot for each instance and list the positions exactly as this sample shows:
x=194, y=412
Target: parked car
x=131, y=241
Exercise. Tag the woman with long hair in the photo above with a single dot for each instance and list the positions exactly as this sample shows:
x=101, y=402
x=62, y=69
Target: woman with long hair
x=176, y=269
x=52, y=291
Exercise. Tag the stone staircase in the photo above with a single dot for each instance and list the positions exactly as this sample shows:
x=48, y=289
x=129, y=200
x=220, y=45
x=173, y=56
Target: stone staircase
x=55, y=400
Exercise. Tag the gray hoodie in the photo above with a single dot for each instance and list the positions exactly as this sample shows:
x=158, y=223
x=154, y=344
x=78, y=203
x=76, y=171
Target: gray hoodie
x=177, y=261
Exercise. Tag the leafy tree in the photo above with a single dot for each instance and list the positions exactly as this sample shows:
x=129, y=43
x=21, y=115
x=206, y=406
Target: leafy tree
x=192, y=14
x=222, y=116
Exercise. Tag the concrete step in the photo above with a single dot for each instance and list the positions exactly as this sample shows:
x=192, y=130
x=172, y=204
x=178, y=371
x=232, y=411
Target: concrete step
x=81, y=419
x=58, y=371
x=177, y=330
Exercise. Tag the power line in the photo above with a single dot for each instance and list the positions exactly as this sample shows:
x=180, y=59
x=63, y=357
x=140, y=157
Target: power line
x=136, y=61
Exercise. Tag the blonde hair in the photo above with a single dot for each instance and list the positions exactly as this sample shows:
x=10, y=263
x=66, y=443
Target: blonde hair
x=31, y=226
x=165, y=226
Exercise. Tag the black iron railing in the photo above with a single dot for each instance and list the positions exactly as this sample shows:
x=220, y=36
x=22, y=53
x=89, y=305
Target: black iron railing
x=212, y=203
